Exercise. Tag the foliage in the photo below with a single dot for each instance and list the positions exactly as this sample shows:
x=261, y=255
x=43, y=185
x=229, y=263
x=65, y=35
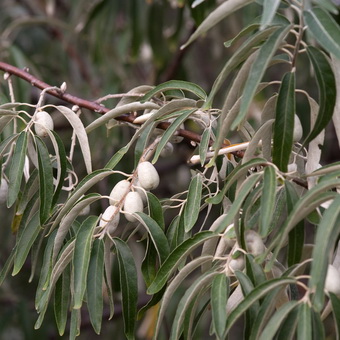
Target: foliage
x=242, y=246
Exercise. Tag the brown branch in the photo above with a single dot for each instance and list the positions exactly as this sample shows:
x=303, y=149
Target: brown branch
x=93, y=106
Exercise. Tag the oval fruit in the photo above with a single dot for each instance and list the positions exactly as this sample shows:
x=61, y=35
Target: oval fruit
x=255, y=245
x=3, y=191
x=110, y=219
x=119, y=191
x=147, y=176
x=297, y=134
x=133, y=203
x=332, y=282
x=43, y=122
x=236, y=264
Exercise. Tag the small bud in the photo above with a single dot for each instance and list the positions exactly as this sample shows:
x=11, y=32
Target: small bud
x=133, y=203
x=237, y=264
x=147, y=176
x=297, y=134
x=63, y=87
x=43, y=122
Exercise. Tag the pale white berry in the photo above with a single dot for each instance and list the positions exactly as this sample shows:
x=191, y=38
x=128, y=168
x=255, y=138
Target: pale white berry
x=119, y=191
x=110, y=219
x=147, y=176
x=3, y=191
x=255, y=245
x=133, y=203
x=137, y=187
x=237, y=264
x=297, y=134
x=332, y=282
x=43, y=123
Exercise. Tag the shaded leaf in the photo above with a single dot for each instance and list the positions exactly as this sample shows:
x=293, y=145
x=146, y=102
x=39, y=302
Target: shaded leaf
x=81, y=258
x=45, y=180
x=175, y=84
x=17, y=168
x=324, y=242
x=175, y=257
x=128, y=284
x=284, y=122
x=219, y=296
x=193, y=203
x=268, y=13
x=94, y=286
x=304, y=326
x=324, y=29
x=327, y=91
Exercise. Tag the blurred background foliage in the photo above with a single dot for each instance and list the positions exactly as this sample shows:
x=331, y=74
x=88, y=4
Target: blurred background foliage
x=101, y=47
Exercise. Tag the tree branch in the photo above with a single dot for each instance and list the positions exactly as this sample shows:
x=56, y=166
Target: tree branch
x=93, y=106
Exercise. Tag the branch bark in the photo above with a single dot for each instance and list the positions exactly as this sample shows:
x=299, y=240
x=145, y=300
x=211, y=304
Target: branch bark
x=83, y=103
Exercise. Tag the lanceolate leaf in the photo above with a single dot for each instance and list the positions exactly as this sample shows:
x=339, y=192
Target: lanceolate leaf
x=275, y=322
x=175, y=257
x=204, y=145
x=128, y=284
x=170, y=131
x=62, y=297
x=157, y=235
x=184, y=303
x=94, y=287
x=324, y=28
x=81, y=134
x=268, y=13
x=304, y=327
x=257, y=71
x=284, y=122
x=219, y=296
x=327, y=91
x=176, y=84
x=25, y=242
x=45, y=180
x=156, y=211
x=336, y=311
x=325, y=240
x=216, y=16
x=81, y=258
x=193, y=204
x=17, y=168
x=254, y=296
x=267, y=199
x=296, y=236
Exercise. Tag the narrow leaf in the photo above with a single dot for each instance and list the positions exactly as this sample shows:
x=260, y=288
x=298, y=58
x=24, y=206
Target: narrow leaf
x=128, y=284
x=157, y=235
x=94, y=287
x=304, y=327
x=17, y=168
x=335, y=301
x=204, y=145
x=80, y=132
x=324, y=242
x=284, y=122
x=173, y=85
x=45, y=180
x=175, y=257
x=268, y=13
x=276, y=320
x=216, y=16
x=324, y=29
x=81, y=258
x=193, y=204
x=258, y=69
x=25, y=242
x=170, y=131
x=254, y=296
x=267, y=200
x=62, y=297
x=327, y=91
x=219, y=295
x=156, y=211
